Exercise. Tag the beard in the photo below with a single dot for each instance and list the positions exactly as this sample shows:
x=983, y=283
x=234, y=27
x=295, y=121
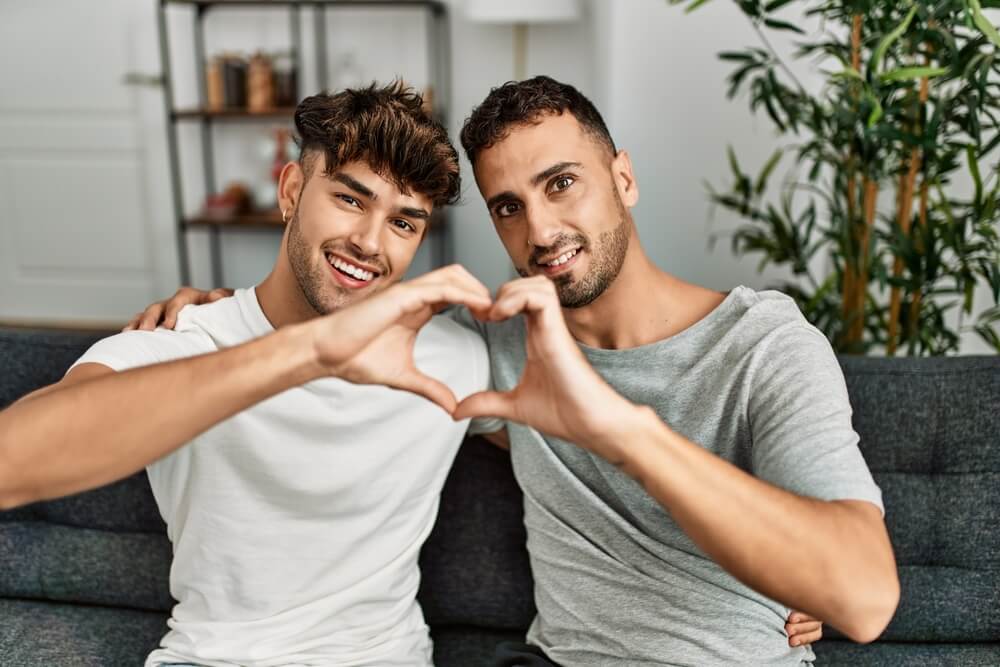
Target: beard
x=312, y=279
x=607, y=258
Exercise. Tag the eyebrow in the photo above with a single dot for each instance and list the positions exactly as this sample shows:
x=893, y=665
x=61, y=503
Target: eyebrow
x=364, y=190
x=538, y=178
x=552, y=171
x=414, y=212
x=354, y=184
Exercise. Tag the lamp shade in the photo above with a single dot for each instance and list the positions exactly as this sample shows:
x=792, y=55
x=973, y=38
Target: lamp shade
x=522, y=11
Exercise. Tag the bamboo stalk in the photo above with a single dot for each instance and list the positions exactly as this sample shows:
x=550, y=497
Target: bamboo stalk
x=851, y=266
x=857, y=328
x=914, y=318
x=905, y=219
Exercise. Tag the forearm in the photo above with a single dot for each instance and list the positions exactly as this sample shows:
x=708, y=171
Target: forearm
x=99, y=430
x=829, y=559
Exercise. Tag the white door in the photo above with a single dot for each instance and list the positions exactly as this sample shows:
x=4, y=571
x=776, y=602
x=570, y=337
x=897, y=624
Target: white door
x=86, y=221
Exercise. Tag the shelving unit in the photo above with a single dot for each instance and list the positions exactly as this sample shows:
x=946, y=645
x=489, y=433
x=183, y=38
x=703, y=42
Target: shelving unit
x=439, y=61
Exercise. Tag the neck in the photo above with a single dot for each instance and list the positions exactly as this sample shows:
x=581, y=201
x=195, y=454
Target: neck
x=280, y=296
x=644, y=304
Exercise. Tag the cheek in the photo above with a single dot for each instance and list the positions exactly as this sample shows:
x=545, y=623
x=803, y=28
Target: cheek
x=399, y=253
x=514, y=240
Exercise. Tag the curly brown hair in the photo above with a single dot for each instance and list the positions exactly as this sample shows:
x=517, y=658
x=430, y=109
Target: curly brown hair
x=523, y=103
x=388, y=128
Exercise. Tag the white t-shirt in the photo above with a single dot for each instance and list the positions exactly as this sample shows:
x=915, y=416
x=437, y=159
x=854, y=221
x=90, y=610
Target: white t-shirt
x=296, y=525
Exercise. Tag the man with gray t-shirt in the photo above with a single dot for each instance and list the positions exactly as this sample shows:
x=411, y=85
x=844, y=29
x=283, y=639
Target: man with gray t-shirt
x=687, y=457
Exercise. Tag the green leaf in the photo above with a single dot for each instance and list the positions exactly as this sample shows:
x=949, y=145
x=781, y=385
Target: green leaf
x=775, y=5
x=848, y=73
x=907, y=73
x=777, y=24
x=876, y=113
x=970, y=152
x=736, y=55
x=983, y=23
x=888, y=40
x=693, y=6
x=765, y=173
x=734, y=165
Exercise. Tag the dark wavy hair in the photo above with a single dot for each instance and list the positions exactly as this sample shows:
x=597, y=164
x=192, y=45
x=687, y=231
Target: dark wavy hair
x=523, y=103
x=388, y=128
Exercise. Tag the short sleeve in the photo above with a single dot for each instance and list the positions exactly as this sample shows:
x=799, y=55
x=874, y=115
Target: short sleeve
x=800, y=420
x=461, y=315
x=132, y=349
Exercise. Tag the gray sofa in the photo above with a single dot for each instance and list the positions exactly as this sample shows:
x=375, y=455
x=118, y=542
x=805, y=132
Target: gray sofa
x=83, y=580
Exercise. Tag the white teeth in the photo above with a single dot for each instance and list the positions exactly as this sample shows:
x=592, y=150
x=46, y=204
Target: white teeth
x=563, y=258
x=351, y=270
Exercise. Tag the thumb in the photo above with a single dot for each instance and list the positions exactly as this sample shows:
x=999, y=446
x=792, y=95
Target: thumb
x=431, y=389
x=485, y=404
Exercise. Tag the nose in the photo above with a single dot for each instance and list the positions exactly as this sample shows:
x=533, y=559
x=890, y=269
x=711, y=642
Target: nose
x=365, y=237
x=543, y=225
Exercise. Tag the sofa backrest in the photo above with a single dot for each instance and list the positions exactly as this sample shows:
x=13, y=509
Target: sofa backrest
x=107, y=546
x=930, y=431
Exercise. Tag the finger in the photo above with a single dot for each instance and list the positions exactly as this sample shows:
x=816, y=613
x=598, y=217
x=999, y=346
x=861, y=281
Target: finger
x=132, y=323
x=184, y=297
x=219, y=293
x=485, y=404
x=802, y=628
x=807, y=638
x=434, y=294
x=429, y=388
x=170, y=316
x=801, y=617
x=538, y=300
x=457, y=275
x=151, y=317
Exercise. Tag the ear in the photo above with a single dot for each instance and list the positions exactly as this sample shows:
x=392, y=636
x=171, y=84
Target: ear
x=290, y=186
x=621, y=172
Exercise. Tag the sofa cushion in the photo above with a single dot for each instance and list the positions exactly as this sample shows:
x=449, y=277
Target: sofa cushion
x=930, y=432
x=34, y=359
x=838, y=653
x=469, y=646
x=49, y=561
x=474, y=566
x=43, y=634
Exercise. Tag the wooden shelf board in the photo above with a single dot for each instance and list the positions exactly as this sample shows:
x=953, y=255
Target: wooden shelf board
x=254, y=220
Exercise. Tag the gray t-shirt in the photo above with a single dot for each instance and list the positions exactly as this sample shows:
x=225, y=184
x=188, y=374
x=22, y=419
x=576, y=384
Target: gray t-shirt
x=616, y=580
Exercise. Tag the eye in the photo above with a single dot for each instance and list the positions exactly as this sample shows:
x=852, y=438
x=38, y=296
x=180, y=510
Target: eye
x=349, y=200
x=507, y=209
x=405, y=225
x=562, y=182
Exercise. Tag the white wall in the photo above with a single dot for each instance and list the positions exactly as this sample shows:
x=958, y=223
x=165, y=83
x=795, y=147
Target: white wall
x=650, y=68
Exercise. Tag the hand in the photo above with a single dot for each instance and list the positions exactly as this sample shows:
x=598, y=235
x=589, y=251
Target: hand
x=164, y=313
x=559, y=392
x=803, y=629
x=371, y=342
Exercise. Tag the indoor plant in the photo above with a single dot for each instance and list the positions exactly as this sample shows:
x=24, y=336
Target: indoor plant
x=907, y=113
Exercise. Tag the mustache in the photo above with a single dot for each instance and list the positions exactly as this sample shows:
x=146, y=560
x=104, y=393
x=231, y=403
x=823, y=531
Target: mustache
x=369, y=260
x=561, y=243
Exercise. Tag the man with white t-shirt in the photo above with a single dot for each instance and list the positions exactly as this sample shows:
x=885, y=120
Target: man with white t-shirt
x=297, y=481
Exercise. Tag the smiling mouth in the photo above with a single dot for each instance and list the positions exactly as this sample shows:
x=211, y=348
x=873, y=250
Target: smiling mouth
x=560, y=264
x=561, y=259
x=350, y=270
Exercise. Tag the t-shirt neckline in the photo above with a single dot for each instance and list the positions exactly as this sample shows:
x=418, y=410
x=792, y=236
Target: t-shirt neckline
x=718, y=313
